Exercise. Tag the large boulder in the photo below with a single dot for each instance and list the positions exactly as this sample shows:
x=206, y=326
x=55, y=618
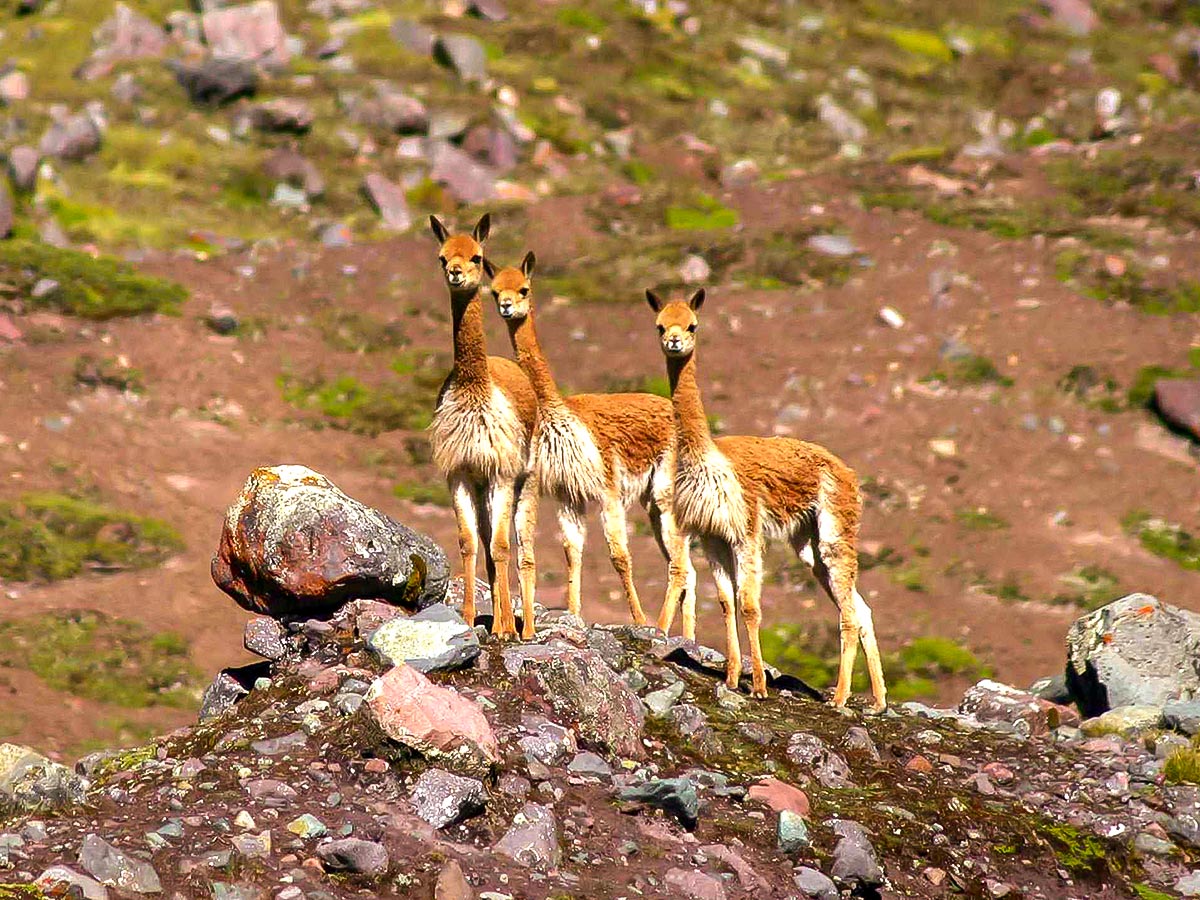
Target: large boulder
x=1178, y=402
x=437, y=722
x=992, y=703
x=532, y=840
x=251, y=33
x=582, y=689
x=74, y=137
x=294, y=543
x=30, y=781
x=435, y=639
x=216, y=81
x=1136, y=651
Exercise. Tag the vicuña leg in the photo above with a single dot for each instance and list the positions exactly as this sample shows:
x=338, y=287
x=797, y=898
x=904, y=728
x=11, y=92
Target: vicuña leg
x=721, y=562
x=871, y=648
x=749, y=592
x=500, y=508
x=681, y=576
x=612, y=516
x=574, y=532
x=836, y=567
x=525, y=519
x=462, y=494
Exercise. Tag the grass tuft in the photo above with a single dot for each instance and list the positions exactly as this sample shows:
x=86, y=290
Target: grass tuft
x=1164, y=539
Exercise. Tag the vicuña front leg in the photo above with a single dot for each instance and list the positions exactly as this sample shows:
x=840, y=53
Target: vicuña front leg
x=721, y=564
x=462, y=495
x=574, y=532
x=500, y=505
x=749, y=582
x=615, y=533
x=525, y=520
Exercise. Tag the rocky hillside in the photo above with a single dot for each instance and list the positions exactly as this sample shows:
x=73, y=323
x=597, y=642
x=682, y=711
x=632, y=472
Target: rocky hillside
x=392, y=750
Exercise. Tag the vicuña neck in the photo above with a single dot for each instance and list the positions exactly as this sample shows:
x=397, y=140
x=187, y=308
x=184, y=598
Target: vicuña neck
x=470, y=347
x=533, y=362
x=691, y=424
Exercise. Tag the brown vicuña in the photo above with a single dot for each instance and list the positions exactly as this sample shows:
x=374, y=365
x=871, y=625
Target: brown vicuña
x=480, y=434
x=609, y=449
x=732, y=492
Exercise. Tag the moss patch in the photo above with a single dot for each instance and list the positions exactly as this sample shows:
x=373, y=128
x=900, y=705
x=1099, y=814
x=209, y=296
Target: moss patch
x=1164, y=539
x=357, y=332
x=54, y=536
x=1089, y=587
x=107, y=371
x=93, y=288
x=88, y=654
x=969, y=371
x=432, y=492
x=980, y=519
x=1183, y=766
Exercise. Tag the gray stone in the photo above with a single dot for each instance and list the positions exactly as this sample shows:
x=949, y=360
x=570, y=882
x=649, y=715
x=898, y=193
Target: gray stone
x=492, y=10
x=222, y=694
x=283, y=114
x=815, y=885
x=792, y=832
x=1189, y=885
x=442, y=799
x=464, y=54
x=588, y=763
x=1124, y=720
x=126, y=35
x=355, y=855
x=660, y=701
x=549, y=744
x=73, y=138
x=844, y=125
x=693, y=884
x=23, y=168
x=110, y=866
x=435, y=639
x=763, y=51
x=1053, y=688
x=266, y=638
x=252, y=846
x=855, y=864
x=1182, y=715
x=532, y=840
x=464, y=177
x=1136, y=651
x=251, y=33
x=1177, y=400
x=858, y=740
x=59, y=881
x=1150, y=845
x=389, y=201
x=832, y=244
x=30, y=781
x=1077, y=16
x=414, y=36
x=294, y=543
x=288, y=166
x=810, y=751
x=216, y=81
x=676, y=796
x=278, y=746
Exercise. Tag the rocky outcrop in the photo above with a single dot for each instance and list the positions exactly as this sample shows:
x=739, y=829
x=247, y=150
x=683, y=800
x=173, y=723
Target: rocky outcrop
x=1137, y=651
x=1177, y=400
x=293, y=543
x=252, y=33
x=30, y=781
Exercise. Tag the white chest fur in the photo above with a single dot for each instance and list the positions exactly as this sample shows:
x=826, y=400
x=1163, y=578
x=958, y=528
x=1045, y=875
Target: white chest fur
x=708, y=497
x=566, y=459
x=479, y=434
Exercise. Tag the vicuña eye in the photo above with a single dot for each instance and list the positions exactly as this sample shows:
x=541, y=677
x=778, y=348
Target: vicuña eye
x=662, y=330
x=524, y=292
x=692, y=328
x=442, y=260
x=477, y=259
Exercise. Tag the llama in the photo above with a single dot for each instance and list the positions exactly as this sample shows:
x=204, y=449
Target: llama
x=608, y=449
x=480, y=433
x=731, y=492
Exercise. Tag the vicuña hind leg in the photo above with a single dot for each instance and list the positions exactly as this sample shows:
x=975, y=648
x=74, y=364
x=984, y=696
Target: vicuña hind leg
x=574, y=532
x=462, y=495
x=874, y=665
x=500, y=508
x=836, y=568
x=525, y=520
x=612, y=515
x=681, y=576
x=749, y=590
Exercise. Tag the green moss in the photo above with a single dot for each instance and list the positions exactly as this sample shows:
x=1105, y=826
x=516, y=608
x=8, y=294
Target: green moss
x=1159, y=295
x=1183, y=766
x=1145, y=892
x=1141, y=390
x=928, y=153
x=1093, y=388
x=1075, y=850
x=705, y=214
x=1089, y=587
x=21, y=892
x=435, y=493
x=576, y=17
x=89, y=654
x=123, y=761
x=969, y=371
x=910, y=577
x=107, y=371
x=94, y=288
x=53, y=536
x=921, y=43
x=658, y=385
x=356, y=332
x=1007, y=589
x=980, y=519
x=1164, y=539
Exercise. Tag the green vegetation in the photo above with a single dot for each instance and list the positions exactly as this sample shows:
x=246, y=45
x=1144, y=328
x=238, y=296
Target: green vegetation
x=1145, y=892
x=1076, y=850
x=349, y=404
x=1141, y=391
x=1007, y=589
x=968, y=371
x=107, y=371
x=1089, y=587
x=1164, y=539
x=356, y=332
x=911, y=577
x=93, y=288
x=431, y=492
x=54, y=536
x=646, y=384
x=980, y=519
x=1183, y=766
x=704, y=214
x=1093, y=388
x=1133, y=285
x=913, y=672
x=91, y=655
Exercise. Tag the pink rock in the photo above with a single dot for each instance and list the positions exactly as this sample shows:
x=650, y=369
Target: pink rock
x=9, y=332
x=779, y=795
x=990, y=701
x=1178, y=401
x=435, y=721
x=389, y=200
x=14, y=87
x=250, y=33
x=1076, y=16
x=695, y=885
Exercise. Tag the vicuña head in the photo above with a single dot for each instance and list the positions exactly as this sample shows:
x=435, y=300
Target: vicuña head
x=461, y=255
x=511, y=288
x=677, y=322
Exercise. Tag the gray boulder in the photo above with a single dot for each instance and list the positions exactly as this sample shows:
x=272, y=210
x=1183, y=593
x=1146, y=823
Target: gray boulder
x=73, y=138
x=251, y=33
x=1182, y=715
x=294, y=543
x=23, y=168
x=442, y=798
x=1136, y=651
x=62, y=881
x=464, y=54
x=30, y=781
x=110, y=866
x=389, y=201
x=354, y=855
x=532, y=840
x=855, y=863
x=676, y=796
x=216, y=81
x=434, y=640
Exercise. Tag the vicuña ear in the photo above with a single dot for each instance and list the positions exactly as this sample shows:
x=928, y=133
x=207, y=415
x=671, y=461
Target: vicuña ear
x=697, y=300
x=440, y=231
x=652, y=299
x=482, y=228
x=489, y=267
x=528, y=263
